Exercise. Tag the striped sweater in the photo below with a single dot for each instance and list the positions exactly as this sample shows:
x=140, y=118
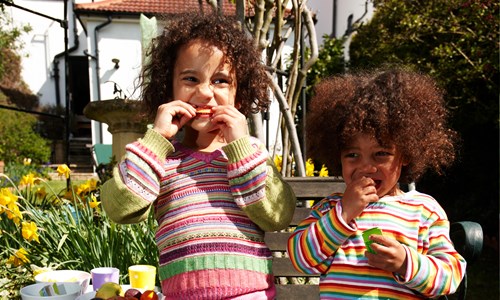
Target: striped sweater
x=323, y=243
x=212, y=210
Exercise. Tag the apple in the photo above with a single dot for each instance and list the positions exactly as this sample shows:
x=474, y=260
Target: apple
x=149, y=295
x=134, y=293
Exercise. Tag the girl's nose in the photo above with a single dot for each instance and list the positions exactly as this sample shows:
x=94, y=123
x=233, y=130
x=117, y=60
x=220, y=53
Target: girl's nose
x=206, y=89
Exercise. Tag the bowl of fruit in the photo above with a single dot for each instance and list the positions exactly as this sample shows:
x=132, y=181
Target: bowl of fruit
x=114, y=291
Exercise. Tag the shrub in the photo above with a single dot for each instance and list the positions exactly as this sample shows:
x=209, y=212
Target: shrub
x=20, y=140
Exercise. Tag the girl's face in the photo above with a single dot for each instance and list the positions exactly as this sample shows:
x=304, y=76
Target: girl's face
x=365, y=157
x=203, y=79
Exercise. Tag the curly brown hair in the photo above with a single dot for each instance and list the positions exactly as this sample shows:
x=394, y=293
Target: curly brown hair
x=223, y=32
x=395, y=105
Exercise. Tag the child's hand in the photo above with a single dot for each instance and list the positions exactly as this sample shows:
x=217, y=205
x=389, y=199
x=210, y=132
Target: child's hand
x=390, y=254
x=230, y=121
x=358, y=194
x=171, y=116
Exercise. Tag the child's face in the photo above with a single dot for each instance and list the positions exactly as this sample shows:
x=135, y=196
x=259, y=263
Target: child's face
x=202, y=79
x=365, y=157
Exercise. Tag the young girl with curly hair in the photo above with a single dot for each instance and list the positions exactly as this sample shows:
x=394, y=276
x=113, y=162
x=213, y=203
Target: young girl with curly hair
x=376, y=129
x=214, y=189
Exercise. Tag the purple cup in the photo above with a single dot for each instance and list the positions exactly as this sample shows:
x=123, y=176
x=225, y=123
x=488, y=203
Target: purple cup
x=104, y=274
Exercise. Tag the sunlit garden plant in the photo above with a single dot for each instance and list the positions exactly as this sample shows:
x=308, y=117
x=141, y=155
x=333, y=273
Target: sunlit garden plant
x=42, y=229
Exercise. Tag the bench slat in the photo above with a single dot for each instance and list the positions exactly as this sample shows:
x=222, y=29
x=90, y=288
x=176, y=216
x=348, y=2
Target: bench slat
x=315, y=187
x=277, y=241
x=302, y=292
x=282, y=266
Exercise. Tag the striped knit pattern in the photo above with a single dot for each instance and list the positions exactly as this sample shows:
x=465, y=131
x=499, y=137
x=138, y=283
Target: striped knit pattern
x=324, y=243
x=209, y=247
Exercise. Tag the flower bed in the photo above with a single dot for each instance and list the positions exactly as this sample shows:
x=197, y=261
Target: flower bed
x=42, y=229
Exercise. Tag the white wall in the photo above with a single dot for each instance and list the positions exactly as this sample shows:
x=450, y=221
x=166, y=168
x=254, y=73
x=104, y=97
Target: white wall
x=120, y=39
x=324, y=12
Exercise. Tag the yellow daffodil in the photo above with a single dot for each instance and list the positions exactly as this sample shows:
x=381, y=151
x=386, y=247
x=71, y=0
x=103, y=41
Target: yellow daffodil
x=93, y=202
x=14, y=213
x=29, y=179
x=323, y=172
x=92, y=183
x=19, y=258
x=86, y=187
x=82, y=189
x=6, y=198
x=309, y=167
x=63, y=170
x=29, y=231
x=27, y=161
x=278, y=162
x=40, y=192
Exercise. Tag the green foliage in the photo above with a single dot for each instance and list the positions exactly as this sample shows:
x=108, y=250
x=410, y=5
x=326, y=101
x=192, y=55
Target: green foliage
x=71, y=232
x=330, y=61
x=457, y=43
x=20, y=140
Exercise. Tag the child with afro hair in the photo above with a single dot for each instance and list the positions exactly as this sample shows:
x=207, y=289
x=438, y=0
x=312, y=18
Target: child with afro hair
x=378, y=128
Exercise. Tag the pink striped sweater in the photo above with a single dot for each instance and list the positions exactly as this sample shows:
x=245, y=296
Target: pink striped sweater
x=212, y=210
x=323, y=243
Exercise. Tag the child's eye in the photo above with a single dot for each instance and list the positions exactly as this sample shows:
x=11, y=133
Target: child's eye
x=190, y=78
x=383, y=153
x=221, y=81
x=351, y=155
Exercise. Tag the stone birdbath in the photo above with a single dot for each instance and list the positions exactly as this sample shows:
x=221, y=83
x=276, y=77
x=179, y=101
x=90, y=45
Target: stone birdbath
x=123, y=120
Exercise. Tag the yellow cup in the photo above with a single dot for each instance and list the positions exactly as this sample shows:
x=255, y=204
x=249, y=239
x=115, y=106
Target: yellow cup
x=142, y=276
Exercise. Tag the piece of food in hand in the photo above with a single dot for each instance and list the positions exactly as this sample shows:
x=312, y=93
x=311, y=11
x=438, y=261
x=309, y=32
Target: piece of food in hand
x=149, y=295
x=366, y=238
x=108, y=290
x=135, y=293
x=203, y=111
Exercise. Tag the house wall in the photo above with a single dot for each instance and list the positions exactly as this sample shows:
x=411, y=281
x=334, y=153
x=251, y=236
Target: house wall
x=120, y=39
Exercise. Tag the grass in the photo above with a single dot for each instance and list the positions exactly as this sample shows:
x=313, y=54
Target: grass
x=59, y=185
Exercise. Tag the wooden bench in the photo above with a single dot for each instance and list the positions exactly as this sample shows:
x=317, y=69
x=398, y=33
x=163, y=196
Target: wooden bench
x=289, y=280
x=292, y=284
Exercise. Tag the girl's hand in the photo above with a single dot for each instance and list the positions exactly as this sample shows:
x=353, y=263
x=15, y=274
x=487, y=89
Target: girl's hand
x=230, y=121
x=358, y=194
x=390, y=254
x=171, y=116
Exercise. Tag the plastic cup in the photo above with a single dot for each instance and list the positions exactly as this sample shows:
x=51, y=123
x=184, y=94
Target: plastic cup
x=104, y=274
x=142, y=277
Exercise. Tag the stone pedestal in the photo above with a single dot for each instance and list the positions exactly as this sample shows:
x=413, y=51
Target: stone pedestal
x=123, y=119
